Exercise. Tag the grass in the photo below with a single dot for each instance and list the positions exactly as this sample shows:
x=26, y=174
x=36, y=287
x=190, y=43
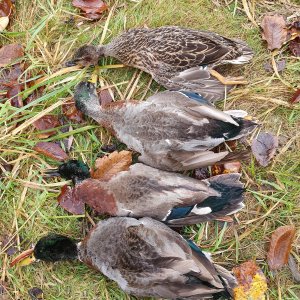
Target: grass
x=30, y=211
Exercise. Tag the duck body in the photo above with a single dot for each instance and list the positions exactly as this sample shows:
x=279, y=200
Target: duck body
x=148, y=259
x=171, y=130
x=175, y=199
x=177, y=58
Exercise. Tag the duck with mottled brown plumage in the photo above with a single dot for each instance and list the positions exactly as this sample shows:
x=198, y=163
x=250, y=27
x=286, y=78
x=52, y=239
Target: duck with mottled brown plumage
x=173, y=131
x=144, y=257
x=177, y=58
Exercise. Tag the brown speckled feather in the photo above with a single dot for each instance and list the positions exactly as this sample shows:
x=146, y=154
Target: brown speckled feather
x=146, y=258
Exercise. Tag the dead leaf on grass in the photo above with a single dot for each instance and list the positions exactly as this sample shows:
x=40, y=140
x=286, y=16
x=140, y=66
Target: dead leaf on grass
x=252, y=283
x=294, y=268
x=280, y=64
x=264, y=148
x=72, y=113
x=93, y=9
x=280, y=246
x=294, y=46
x=45, y=123
x=5, y=12
x=274, y=31
x=36, y=293
x=107, y=166
x=67, y=200
x=51, y=150
x=10, y=53
x=296, y=97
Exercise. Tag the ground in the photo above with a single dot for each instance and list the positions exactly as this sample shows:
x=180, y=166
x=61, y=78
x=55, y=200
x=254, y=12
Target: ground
x=28, y=205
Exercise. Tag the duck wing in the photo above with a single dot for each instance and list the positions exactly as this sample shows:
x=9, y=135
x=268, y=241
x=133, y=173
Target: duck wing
x=147, y=258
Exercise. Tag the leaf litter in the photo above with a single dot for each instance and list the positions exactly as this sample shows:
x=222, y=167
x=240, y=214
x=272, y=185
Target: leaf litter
x=92, y=9
x=51, y=150
x=264, y=148
x=280, y=246
x=5, y=12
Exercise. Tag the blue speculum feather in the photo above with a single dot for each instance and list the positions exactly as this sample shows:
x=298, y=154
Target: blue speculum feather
x=179, y=212
x=195, y=248
x=197, y=97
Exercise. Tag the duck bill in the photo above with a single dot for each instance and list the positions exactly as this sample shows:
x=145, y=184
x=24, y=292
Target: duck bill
x=24, y=259
x=51, y=173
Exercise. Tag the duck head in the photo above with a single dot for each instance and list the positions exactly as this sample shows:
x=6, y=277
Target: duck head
x=52, y=247
x=86, y=98
x=74, y=170
x=86, y=55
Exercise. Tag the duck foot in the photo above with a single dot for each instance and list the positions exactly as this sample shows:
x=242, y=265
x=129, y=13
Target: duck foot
x=228, y=80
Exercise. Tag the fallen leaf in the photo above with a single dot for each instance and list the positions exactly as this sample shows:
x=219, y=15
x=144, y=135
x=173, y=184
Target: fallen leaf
x=264, y=148
x=296, y=97
x=109, y=148
x=10, y=53
x=5, y=12
x=280, y=246
x=4, y=21
x=36, y=293
x=294, y=268
x=45, y=123
x=9, y=244
x=274, y=31
x=280, y=66
x=51, y=150
x=232, y=167
x=107, y=166
x=105, y=97
x=72, y=113
x=252, y=283
x=92, y=8
x=294, y=46
x=67, y=200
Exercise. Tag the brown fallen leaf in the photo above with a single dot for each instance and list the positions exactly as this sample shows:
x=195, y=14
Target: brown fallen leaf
x=67, y=200
x=92, y=8
x=107, y=166
x=280, y=246
x=226, y=168
x=51, y=150
x=252, y=283
x=274, y=31
x=294, y=46
x=10, y=53
x=280, y=64
x=296, y=97
x=294, y=268
x=105, y=97
x=45, y=123
x=72, y=113
x=36, y=293
x=5, y=12
x=264, y=148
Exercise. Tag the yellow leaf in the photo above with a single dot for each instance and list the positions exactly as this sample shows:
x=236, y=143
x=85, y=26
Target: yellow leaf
x=3, y=22
x=108, y=166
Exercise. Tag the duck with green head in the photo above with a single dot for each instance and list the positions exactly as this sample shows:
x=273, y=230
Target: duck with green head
x=142, y=191
x=173, y=131
x=177, y=58
x=145, y=258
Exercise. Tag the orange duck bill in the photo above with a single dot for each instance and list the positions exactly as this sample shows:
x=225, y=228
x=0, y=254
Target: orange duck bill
x=24, y=259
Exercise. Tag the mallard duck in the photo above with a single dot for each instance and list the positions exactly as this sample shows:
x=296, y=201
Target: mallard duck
x=171, y=130
x=177, y=58
x=145, y=257
x=143, y=191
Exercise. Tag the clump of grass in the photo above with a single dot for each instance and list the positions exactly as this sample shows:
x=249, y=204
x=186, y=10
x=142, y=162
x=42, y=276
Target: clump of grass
x=28, y=206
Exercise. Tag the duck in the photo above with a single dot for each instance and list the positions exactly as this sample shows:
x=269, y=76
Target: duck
x=144, y=256
x=173, y=131
x=143, y=191
x=177, y=58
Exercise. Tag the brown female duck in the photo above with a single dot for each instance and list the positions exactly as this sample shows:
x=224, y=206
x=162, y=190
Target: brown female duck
x=145, y=257
x=177, y=58
x=171, y=130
